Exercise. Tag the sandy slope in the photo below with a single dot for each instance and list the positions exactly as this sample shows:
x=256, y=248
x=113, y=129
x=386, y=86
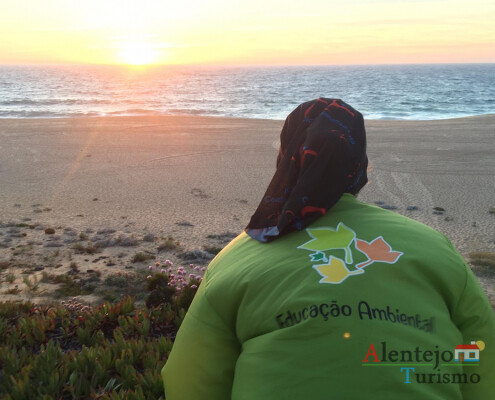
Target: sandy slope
x=196, y=177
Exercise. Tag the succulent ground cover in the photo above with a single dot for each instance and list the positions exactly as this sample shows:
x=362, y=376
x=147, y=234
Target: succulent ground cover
x=77, y=351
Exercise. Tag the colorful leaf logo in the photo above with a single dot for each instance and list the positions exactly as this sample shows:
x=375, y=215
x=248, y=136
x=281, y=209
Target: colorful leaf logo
x=330, y=239
x=333, y=269
x=377, y=251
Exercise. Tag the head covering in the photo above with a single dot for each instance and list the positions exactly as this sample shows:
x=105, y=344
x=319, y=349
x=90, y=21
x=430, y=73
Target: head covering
x=322, y=155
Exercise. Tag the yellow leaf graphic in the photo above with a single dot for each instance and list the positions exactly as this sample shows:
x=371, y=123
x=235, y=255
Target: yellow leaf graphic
x=335, y=271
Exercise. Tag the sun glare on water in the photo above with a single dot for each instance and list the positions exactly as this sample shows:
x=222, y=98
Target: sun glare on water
x=138, y=53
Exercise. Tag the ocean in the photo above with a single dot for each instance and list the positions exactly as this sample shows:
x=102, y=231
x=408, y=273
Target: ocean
x=398, y=92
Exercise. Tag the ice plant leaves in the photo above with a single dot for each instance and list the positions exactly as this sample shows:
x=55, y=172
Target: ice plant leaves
x=330, y=239
x=377, y=250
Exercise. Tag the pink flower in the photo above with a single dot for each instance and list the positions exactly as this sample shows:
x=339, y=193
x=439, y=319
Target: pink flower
x=169, y=270
x=150, y=268
x=192, y=276
x=196, y=267
x=198, y=277
x=203, y=269
x=172, y=276
x=194, y=286
x=168, y=262
x=172, y=282
x=191, y=265
x=148, y=277
x=184, y=283
x=162, y=271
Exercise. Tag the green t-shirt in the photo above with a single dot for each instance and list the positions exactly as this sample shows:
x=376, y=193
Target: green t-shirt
x=364, y=303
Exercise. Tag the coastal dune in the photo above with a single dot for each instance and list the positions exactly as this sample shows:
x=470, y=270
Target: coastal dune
x=197, y=178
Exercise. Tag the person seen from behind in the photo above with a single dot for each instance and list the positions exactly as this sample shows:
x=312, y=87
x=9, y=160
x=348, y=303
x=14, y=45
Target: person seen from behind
x=325, y=297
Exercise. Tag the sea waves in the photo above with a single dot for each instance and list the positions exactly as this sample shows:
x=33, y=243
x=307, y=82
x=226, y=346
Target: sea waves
x=404, y=92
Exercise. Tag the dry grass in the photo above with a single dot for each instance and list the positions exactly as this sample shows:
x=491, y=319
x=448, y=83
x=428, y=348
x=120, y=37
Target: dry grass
x=483, y=263
x=483, y=258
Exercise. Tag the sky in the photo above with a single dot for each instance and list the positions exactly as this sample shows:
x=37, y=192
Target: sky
x=245, y=32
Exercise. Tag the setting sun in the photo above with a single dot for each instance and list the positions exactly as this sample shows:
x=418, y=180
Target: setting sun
x=138, y=53
x=258, y=32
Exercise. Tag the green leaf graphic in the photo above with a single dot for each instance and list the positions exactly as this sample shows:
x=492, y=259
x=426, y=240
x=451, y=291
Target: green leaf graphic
x=329, y=239
x=318, y=256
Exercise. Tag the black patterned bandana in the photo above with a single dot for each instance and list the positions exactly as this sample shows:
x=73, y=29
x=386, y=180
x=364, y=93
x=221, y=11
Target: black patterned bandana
x=322, y=156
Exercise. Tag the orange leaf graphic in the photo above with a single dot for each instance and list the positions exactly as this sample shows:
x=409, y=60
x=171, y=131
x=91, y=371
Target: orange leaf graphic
x=377, y=251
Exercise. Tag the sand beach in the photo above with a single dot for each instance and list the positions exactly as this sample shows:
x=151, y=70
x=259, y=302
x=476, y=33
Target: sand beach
x=83, y=196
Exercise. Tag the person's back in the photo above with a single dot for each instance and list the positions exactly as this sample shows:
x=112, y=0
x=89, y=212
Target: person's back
x=362, y=302
x=324, y=297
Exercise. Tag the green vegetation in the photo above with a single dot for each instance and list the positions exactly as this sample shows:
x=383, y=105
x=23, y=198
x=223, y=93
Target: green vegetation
x=168, y=244
x=109, y=352
x=79, y=248
x=121, y=284
x=213, y=249
x=71, y=287
x=74, y=268
x=10, y=278
x=117, y=280
x=4, y=265
x=160, y=291
x=14, y=290
x=33, y=284
x=52, y=278
x=141, y=257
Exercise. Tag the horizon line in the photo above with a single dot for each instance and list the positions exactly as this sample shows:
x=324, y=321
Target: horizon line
x=232, y=65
